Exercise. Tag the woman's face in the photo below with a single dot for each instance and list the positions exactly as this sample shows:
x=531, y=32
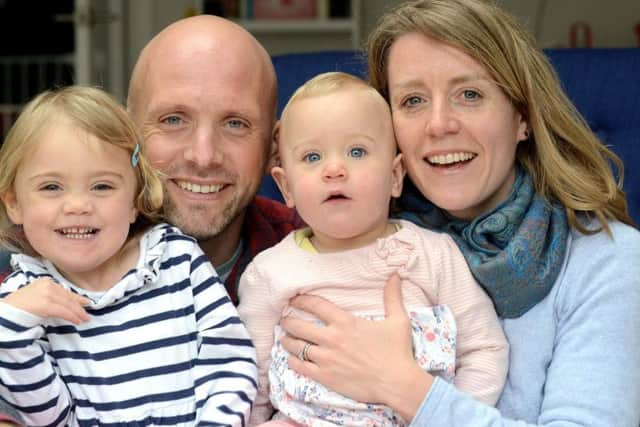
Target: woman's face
x=457, y=130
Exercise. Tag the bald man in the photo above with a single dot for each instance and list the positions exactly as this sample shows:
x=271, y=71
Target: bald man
x=204, y=95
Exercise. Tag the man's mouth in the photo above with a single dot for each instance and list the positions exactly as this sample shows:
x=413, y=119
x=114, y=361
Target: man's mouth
x=77, y=232
x=200, y=188
x=450, y=158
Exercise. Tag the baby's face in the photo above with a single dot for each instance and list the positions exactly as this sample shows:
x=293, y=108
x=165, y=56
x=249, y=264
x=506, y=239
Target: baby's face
x=339, y=159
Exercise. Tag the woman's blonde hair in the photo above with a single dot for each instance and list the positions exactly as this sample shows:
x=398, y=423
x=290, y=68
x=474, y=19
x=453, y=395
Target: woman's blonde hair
x=567, y=161
x=93, y=111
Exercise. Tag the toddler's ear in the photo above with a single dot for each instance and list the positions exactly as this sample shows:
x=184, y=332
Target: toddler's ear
x=280, y=177
x=397, y=176
x=12, y=207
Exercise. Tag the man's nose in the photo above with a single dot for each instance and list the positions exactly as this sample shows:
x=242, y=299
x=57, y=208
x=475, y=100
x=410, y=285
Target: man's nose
x=204, y=148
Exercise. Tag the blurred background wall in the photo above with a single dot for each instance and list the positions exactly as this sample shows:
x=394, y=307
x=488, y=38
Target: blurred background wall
x=57, y=42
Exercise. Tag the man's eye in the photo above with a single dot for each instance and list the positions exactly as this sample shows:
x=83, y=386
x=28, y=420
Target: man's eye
x=357, y=152
x=311, y=157
x=172, y=120
x=236, y=124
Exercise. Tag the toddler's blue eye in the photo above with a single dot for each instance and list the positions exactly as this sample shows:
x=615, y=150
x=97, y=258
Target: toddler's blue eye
x=311, y=157
x=103, y=187
x=357, y=152
x=50, y=187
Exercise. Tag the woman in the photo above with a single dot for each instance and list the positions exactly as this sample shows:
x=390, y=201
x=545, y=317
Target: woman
x=525, y=189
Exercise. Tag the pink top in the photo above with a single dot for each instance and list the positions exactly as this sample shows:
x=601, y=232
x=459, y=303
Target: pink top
x=433, y=272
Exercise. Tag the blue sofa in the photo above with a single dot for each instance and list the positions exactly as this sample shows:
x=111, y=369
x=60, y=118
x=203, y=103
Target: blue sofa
x=603, y=83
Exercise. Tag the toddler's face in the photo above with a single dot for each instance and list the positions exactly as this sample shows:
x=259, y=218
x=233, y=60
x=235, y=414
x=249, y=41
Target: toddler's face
x=339, y=156
x=74, y=195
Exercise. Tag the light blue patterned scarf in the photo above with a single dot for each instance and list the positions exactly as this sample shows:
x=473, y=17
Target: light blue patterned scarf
x=515, y=252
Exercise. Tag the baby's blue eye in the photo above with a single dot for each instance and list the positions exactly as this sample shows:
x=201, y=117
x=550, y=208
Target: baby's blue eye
x=357, y=152
x=311, y=157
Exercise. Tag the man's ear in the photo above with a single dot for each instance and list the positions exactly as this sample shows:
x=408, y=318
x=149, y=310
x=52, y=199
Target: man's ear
x=280, y=177
x=10, y=202
x=397, y=176
x=274, y=157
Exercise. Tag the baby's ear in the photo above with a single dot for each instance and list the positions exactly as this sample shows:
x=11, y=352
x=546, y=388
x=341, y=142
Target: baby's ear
x=280, y=177
x=274, y=156
x=12, y=207
x=397, y=176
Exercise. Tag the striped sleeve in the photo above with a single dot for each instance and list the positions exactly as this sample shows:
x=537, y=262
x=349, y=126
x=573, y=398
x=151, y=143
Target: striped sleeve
x=225, y=370
x=28, y=380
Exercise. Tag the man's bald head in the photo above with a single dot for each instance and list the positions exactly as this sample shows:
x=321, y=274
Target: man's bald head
x=218, y=39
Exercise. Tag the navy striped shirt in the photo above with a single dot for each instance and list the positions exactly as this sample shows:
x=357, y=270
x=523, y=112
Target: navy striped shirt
x=164, y=346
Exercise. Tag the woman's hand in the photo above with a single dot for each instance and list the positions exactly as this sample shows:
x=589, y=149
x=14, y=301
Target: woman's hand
x=368, y=361
x=44, y=298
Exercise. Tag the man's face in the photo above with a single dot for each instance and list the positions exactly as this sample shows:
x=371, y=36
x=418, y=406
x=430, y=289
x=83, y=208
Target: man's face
x=206, y=125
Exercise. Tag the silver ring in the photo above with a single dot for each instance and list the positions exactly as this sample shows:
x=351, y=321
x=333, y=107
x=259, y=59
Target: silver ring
x=304, y=352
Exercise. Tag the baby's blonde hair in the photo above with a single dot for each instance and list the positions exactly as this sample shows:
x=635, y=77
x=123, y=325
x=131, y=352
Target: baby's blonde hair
x=327, y=83
x=93, y=111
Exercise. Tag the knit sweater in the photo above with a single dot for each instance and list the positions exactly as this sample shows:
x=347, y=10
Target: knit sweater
x=575, y=356
x=433, y=271
x=162, y=346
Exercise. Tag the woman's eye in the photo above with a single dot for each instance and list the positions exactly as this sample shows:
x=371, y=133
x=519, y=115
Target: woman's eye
x=311, y=157
x=412, y=101
x=357, y=152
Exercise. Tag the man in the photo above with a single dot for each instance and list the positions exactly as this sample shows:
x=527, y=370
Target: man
x=204, y=95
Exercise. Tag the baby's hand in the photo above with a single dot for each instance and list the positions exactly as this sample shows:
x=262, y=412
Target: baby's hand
x=44, y=298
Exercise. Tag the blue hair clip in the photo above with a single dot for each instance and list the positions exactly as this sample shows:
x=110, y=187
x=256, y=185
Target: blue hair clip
x=135, y=156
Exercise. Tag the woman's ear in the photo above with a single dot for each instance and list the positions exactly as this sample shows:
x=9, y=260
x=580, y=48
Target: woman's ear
x=280, y=177
x=12, y=207
x=523, y=130
x=397, y=176
x=274, y=157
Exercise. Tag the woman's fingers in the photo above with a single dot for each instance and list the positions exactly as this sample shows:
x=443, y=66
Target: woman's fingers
x=307, y=331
